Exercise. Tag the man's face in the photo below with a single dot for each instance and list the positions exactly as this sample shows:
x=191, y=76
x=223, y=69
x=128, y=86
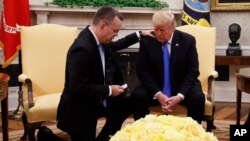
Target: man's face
x=110, y=31
x=163, y=32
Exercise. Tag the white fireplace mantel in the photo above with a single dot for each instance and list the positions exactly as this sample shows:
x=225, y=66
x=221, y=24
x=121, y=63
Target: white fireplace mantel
x=136, y=10
x=135, y=17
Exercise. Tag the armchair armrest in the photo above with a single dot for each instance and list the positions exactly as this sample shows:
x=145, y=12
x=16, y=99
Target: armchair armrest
x=214, y=74
x=22, y=77
x=27, y=81
x=211, y=78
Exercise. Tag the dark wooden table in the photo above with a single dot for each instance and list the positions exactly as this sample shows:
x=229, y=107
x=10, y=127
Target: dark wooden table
x=232, y=60
x=4, y=79
x=242, y=78
x=242, y=85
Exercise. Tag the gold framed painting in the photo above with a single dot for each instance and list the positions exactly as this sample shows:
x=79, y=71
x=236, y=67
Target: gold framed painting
x=230, y=5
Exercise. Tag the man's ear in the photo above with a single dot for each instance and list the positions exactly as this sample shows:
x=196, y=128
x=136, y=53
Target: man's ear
x=102, y=24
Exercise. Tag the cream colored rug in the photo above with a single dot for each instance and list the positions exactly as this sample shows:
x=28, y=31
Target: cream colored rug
x=222, y=130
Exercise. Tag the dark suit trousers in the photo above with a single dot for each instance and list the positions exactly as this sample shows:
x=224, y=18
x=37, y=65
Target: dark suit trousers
x=142, y=99
x=117, y=110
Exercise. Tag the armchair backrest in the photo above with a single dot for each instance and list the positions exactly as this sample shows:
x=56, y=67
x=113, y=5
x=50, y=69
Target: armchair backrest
x=44, y=48
x=205, y=44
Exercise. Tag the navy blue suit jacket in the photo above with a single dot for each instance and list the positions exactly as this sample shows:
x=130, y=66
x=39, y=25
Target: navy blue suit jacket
x=84, y=80
x=184, y=65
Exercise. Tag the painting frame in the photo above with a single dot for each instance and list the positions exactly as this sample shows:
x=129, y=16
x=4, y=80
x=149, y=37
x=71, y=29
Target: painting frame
x=229, y=5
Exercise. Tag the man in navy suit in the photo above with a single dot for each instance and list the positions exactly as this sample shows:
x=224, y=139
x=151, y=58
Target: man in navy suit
x=93, y=81
x=183, y=67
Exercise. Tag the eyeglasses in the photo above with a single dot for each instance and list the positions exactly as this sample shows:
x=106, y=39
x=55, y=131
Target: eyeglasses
x=114, y=30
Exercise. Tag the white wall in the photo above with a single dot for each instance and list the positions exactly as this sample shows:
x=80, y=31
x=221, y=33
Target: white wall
x=38, y=2
x=222, y=20
x=175, y=4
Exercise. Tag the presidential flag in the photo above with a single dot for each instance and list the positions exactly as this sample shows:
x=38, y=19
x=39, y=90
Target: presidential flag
x=15, y=14
x=196, y=12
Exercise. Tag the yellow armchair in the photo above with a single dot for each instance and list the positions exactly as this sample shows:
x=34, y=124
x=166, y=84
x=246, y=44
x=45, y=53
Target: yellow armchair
x=44, y=50
x=205, y=43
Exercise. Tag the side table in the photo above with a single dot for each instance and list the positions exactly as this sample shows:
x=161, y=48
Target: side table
x=4, y=79
x=242, y=85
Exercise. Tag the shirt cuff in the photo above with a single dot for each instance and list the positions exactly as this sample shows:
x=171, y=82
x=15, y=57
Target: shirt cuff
x=138, y=33
x=110, y=91
x=181, y=95
x=156, y=95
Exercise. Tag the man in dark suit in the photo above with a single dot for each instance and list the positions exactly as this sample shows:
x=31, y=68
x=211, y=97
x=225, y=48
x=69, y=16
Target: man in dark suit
x=184, y=86
x=93, y=81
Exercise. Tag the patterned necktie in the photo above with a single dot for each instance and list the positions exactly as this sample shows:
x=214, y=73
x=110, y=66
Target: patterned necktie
x=167, y=87
x=100, y=47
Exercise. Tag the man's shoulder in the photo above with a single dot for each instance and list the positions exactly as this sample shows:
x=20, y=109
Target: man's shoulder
x=148, y=39
x=184, y=35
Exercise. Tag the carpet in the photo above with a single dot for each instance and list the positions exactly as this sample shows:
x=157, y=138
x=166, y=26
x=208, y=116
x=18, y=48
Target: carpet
x=222, y=130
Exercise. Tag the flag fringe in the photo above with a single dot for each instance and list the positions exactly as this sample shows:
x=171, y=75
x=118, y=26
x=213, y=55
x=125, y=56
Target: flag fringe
x=6, y=63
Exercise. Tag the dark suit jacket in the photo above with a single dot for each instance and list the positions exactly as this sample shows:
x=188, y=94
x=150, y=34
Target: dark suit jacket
x=84, y=80
x=184, y=66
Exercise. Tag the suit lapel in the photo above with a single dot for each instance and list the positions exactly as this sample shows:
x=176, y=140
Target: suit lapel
x=94, y=47
x=174, y=51
x=158, y=52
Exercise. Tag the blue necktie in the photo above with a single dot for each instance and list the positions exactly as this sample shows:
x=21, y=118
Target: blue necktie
x=104, y=102
x=167, y=87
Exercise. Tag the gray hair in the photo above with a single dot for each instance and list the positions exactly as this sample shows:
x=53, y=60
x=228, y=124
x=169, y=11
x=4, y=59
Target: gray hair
x=164, y=17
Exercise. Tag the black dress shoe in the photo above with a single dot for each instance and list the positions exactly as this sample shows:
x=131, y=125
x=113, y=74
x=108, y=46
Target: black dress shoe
x=46, y=134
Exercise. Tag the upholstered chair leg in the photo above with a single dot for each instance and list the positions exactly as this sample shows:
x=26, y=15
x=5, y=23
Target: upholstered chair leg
x=213, y=126
x=209, y=120
x=25, y=133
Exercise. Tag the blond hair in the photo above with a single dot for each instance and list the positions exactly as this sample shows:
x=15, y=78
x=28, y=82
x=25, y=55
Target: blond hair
x=164, y=17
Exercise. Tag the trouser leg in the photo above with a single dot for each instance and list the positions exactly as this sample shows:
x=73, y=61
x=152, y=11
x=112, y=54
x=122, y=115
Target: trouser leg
x=118, y=109
x=140, y=102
